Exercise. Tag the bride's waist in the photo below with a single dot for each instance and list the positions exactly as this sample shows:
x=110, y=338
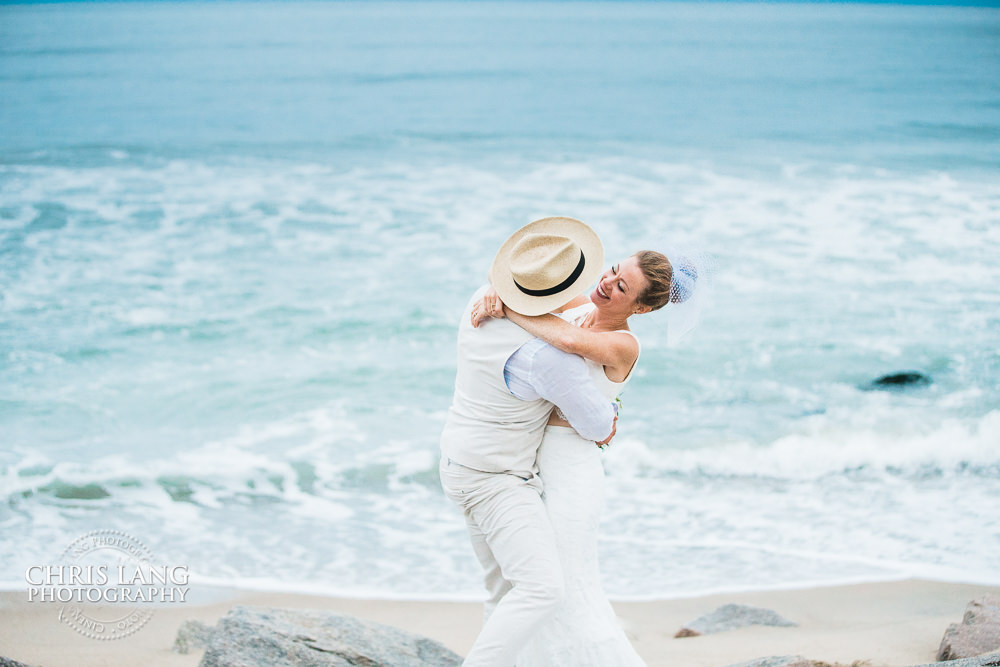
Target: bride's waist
x=556, y=420
x=558, y=436
x=559, y=428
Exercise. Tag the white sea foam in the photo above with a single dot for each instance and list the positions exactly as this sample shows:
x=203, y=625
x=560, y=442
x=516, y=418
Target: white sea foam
x=256, y=356
x=827, y=444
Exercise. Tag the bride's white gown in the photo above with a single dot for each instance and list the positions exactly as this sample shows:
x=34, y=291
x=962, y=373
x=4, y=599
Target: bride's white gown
x=585, y=631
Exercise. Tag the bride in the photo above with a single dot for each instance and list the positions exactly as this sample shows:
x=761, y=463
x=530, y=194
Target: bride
x=585, y=631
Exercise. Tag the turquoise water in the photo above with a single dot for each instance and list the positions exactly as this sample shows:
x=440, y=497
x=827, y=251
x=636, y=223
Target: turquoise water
x=235, y=240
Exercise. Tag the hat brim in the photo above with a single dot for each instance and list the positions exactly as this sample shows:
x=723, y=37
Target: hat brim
x=518, y=301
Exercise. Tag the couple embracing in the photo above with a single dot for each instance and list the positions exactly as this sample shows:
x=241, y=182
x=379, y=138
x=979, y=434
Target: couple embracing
x=540, y=364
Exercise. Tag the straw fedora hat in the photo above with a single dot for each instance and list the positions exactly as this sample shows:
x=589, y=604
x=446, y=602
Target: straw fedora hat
x=545, y=264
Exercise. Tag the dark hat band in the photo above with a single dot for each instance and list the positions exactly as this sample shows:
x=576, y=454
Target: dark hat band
x=561, y=286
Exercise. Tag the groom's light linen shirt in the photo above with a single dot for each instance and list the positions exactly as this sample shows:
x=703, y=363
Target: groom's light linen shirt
x=490, y=429
x=539, y=370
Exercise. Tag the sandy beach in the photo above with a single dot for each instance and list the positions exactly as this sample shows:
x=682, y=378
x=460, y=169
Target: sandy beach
x=889, y=624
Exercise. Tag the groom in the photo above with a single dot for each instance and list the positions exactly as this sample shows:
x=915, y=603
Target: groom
x=506, y=385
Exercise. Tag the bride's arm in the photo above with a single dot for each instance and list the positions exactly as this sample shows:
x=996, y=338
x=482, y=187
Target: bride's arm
x=614, y=349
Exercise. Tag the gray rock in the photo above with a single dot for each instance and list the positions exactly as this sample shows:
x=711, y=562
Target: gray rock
x=730, y=617
x=901, y=380
x=7, y=662
x=988, y=660
x=978, y=633
x=191, y=636
x=776, y=661
x=991, y=660
x=250, y=636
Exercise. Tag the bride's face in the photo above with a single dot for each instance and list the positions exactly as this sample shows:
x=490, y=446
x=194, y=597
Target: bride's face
x=619, y=287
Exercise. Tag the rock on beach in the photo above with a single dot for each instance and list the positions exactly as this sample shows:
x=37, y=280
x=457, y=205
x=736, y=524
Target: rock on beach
x=992, y=660
x=730, y=617
x=777, y=661
x=978, y=633
x=7, y=662
x=192, y=635
x=312, y=638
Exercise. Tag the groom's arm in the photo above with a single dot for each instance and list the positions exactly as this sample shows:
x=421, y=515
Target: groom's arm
x=539, y=370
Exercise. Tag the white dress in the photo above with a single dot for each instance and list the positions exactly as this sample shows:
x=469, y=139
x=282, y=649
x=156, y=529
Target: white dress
x=584, y=631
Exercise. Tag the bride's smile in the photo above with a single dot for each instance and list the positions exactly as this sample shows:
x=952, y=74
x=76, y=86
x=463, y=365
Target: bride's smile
x=619, y=287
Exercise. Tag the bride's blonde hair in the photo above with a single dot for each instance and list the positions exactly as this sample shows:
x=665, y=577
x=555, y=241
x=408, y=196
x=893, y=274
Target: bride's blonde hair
x=663, y=288
x=660, y=273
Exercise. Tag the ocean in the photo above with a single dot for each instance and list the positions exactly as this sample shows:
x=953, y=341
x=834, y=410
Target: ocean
x=236, y=239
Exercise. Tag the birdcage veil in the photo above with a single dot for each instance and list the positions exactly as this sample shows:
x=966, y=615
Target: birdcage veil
x=690, y=291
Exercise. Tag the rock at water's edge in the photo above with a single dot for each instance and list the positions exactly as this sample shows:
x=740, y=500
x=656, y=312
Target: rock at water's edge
x=730, y=617
x=900, y=380
x=314, y=638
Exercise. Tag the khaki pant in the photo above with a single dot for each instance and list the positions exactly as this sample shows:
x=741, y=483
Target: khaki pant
x=513, y=539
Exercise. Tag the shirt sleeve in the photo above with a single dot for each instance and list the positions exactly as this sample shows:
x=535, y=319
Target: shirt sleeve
x=563, y=379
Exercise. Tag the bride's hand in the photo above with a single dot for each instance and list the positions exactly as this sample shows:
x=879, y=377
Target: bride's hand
x=607, y=441
x=489, y=306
